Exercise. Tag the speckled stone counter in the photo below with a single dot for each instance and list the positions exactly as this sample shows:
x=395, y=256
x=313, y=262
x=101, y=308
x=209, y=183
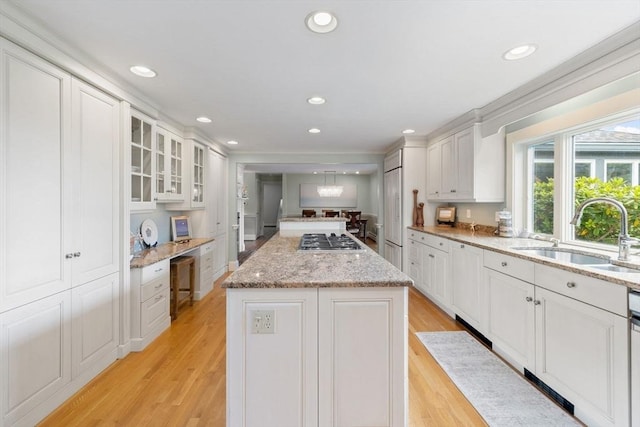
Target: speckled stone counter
x=506, y=245
x=164, y=251
x=279, y=264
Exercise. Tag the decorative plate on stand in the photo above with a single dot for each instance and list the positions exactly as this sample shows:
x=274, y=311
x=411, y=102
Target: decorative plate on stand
x=149, y=231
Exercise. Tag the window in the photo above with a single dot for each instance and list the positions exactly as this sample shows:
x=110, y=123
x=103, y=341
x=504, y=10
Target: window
x=570, y=167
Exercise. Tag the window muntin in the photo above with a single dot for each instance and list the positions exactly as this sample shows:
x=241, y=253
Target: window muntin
x=598, y=161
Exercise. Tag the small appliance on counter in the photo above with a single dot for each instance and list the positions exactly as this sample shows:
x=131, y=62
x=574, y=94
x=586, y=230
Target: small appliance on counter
x=505, y=226
x=446, y=216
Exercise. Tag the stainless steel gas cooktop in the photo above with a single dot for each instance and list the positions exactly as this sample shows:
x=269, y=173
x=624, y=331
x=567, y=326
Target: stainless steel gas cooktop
x=323, y=242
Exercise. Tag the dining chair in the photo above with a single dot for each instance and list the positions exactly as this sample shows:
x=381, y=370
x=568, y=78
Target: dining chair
x=308, y=213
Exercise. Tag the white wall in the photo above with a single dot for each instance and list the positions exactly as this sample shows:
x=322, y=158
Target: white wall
x=272, y=193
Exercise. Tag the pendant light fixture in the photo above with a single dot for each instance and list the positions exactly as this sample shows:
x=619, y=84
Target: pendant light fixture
x=330, y=190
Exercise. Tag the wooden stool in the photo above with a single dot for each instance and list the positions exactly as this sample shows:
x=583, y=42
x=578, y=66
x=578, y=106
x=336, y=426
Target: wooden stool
x=177, y=267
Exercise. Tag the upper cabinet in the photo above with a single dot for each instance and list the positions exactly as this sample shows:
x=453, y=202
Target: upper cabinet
x=170, y=166
x=143, y=182
x=194, y=177
x=464, y=167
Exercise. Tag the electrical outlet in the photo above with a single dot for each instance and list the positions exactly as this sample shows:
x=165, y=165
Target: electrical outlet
x=468, y=213
x=263, y=321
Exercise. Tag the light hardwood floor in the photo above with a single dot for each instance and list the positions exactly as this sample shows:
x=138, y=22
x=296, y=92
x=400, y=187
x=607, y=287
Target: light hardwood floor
x=179, y=379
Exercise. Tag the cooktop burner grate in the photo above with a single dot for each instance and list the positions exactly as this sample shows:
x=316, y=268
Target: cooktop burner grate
x=332, y=242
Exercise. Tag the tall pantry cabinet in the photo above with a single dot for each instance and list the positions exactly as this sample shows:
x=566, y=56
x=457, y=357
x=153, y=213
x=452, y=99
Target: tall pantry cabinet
x=59, y=234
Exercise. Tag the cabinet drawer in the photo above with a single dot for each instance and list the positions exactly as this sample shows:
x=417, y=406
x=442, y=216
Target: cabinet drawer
x=438, y=242
x=609, y=296
x=206, y=249
x=154, y=271
x=154, y=287
x=154, y=311
x=512, y=266
x=415, y=251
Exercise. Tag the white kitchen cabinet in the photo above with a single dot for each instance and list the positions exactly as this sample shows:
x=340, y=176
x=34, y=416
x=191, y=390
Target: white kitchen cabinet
x=64, y=216
x=150, y=289
x=361, y=378
x=582, y=347
x=35, y=186
x=143, y=163
x=311, y=371
x=35, y=358
x=170, y=166
x=511, y=318
x=429, y=267
x=466, y=284
x=95, y=215
x=94, y=326
x=206, y=269
x=194, y=178
x=464, y=167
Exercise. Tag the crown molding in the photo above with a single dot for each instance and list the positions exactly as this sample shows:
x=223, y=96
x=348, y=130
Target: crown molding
x=614, y=58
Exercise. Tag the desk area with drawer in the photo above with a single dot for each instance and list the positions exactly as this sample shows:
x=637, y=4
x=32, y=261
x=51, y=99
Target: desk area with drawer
x=151, y=285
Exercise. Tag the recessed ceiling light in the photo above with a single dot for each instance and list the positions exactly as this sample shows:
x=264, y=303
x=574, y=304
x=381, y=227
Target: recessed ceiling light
x=519, y=52
x=315, y=172
x=357, y=172
x=321, y=22
x=316, y=100
x=142, y=71
x=314, y=130
x=203, y=119
x=407, y=131
x=232, y=142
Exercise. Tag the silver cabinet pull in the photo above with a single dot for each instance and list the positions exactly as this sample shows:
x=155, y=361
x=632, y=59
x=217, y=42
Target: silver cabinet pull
x=461, y=246
x=537, y=302
x=159, y=286
x=158, y=270
x=571, y=284
x=529, y=299
x=76, y=254
x=159, y=297
x=453, y=191
x=503, y=263
x=68, y=256
x=441, y=243
x=431, y=256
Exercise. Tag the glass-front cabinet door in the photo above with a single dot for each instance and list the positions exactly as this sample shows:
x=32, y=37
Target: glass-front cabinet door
x=142, y=164
x=197, y=188
x=169, y=167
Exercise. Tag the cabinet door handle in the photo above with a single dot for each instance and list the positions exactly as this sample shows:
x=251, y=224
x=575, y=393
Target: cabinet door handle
x=461, y=246
x=159, y=297
x=529, y=299
x=76, y=254
x=441, y=243
x=453, y=191
x=571, y=284
x=431, y=256
x=537, y=302
x=159, y=286
x=158, y=270
x=503, y=263
x=68, y=256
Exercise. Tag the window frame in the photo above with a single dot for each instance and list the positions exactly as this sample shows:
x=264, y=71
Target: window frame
x=520, y=168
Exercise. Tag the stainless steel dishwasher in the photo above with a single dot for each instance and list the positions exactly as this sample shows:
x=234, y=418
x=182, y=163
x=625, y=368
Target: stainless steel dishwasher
x=634, y=308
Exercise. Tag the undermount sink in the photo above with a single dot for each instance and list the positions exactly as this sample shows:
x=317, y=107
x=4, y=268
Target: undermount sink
x=567, y=255
x=616, y=268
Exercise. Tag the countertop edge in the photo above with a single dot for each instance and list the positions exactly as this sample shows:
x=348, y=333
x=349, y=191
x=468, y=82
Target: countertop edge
x=460, y=238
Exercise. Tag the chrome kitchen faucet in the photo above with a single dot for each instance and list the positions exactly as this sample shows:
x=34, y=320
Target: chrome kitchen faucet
x=624, y=240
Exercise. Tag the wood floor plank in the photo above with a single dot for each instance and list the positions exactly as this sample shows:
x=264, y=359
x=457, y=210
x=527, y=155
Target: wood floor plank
x=179, y=379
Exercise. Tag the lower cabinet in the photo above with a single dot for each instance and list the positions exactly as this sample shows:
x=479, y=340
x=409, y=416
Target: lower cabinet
x=430, y=268
x=150, y=290
x=206, y=262
x=569, y=330
x=35, y=358
x=336, y=357
x=466, y=283
x=220, y=256
x=53, y=346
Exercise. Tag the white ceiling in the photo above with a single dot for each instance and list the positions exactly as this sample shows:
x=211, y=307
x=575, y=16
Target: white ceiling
x=390, y=65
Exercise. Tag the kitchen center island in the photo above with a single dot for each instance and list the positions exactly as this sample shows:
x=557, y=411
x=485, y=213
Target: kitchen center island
x=316, y=338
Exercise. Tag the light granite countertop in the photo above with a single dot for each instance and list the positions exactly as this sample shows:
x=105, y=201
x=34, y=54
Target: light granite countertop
x=164, y=251
x=280, y=264
x=506, y=245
